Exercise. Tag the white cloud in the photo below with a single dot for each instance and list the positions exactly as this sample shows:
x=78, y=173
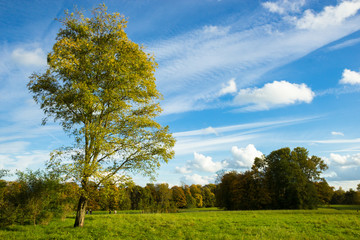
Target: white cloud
x=330, y=16
x=5, y=160
x=337, y=133
x=28, y=114
x=13, y=147
x=244, y=157
x=355, y=158
x=205, y=164
x=182, y=170
x=201, y=163
x=350, y=77
x=32, y=159
x=14, y=76
x=211, y=130
x=215, y=30
x=24, y=57
x=346, y=160
x=338, y=158
x=345, y=185
x=241, y=157
x=197, y=179
x=273, y=95
x=329, y=174
x=284, y=6
x=230, y=87
x=25, y=124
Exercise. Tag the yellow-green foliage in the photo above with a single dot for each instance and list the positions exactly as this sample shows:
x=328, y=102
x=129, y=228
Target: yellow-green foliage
x=101, y=87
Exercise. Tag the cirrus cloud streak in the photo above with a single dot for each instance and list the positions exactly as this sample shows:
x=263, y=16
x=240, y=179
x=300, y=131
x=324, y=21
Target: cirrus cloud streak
x=194, y=67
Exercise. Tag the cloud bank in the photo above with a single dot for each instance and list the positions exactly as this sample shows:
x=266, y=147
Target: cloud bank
x=197, y=179
x=345, y=160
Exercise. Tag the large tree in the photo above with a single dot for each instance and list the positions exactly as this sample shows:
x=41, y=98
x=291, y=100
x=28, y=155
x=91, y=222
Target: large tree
x=100, y=87
x=284, y=179
x=291, y=176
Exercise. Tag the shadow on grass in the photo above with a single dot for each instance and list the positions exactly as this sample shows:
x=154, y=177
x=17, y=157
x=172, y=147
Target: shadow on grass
x=186, y=210
x=13, y=228
x=344, y=207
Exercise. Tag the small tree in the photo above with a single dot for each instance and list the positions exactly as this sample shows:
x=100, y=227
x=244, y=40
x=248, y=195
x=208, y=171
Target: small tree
x=190, y=200
x=325, y=192
x=101, y=87
x=224, y=198
x=179, y=197
x=208, y=196
x=35, y=197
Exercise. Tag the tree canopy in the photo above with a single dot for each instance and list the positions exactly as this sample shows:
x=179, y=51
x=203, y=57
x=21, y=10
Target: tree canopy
x=290, y=176
x=284, y=179
x=100, y=86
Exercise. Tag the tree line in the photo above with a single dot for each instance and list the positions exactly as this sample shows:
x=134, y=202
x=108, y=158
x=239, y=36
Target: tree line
x=36, y=197
x=284, y=179
x=152, y=198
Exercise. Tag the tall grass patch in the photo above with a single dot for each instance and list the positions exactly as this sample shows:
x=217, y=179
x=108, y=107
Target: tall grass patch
x=324, y=223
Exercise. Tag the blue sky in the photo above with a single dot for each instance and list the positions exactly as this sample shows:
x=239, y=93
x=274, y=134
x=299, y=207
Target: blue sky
x=239, y=79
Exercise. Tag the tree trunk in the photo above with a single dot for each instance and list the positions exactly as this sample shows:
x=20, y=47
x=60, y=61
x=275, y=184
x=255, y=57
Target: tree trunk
x=80, y=213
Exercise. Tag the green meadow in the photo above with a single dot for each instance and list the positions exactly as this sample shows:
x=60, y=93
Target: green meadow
x=333, y=222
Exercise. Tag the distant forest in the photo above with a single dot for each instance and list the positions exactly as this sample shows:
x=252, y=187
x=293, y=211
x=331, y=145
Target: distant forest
x=284, y=179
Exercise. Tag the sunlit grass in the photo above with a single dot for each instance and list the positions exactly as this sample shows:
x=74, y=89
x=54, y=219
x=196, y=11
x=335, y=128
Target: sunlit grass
x=324, y=223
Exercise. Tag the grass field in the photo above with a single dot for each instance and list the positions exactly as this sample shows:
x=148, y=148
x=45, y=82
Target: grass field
x=332, y=222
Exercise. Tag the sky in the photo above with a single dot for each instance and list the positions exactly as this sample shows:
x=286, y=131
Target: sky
x=240, y=78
